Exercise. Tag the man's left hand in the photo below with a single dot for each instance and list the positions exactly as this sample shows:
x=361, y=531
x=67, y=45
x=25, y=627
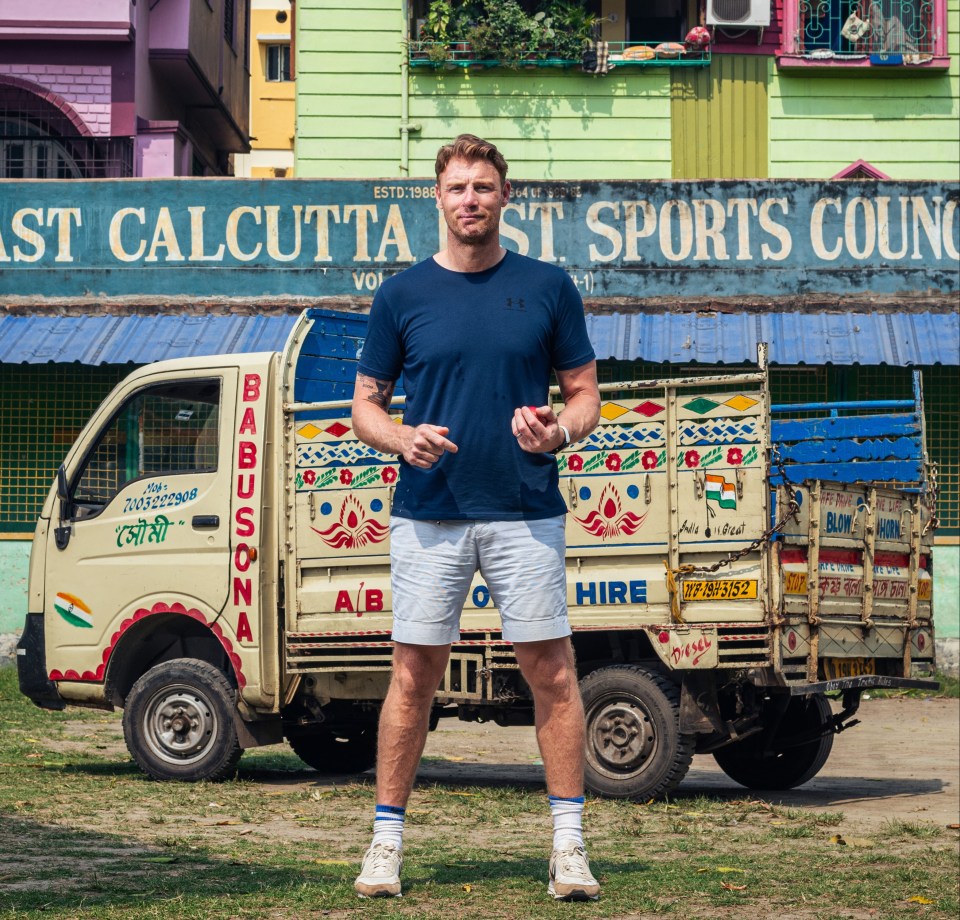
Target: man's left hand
x=536, y=428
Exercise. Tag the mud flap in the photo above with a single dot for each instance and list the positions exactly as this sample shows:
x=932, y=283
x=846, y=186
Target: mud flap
x=32, y=666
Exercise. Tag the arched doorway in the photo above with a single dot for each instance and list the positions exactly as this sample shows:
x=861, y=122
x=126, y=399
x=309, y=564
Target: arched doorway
x=44, y=139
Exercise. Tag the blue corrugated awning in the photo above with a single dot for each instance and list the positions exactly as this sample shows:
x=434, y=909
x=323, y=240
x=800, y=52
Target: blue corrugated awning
x=794, y=338
x=136, y=339
x=683, y=338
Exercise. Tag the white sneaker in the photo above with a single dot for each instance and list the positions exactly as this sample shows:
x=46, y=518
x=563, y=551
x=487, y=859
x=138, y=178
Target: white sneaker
x=380, y=873
x=570, y=877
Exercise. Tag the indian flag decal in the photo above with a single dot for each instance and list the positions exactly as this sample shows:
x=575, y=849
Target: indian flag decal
x=722, y=492
x=73, y=610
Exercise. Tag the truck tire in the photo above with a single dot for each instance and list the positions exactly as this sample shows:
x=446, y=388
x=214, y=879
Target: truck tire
x=747, y=763
x=634, y=747
x=178, y=722
x=330, y=751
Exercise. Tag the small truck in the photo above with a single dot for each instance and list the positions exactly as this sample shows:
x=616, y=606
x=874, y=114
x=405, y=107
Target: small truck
x=213, y=558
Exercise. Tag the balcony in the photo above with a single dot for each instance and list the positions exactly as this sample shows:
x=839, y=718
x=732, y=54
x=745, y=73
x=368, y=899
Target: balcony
x=426, y=55
x=71, y=20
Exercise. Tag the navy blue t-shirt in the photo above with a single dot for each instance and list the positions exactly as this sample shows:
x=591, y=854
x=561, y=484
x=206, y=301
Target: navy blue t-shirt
x=472, y=347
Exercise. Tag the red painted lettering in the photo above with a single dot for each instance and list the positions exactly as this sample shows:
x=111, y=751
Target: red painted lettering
x=242, y=588
x=373, y=599
x=245, y=489
x=249, y=423
x=247, y=457
x=251, y=387
x=692, y=650
x=343, y=602
x=244, y=633
x=244, y=519
x=241, y=557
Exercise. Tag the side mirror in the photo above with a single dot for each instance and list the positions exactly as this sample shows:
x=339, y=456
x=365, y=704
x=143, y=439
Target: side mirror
x=62, y=491
x=62, y=533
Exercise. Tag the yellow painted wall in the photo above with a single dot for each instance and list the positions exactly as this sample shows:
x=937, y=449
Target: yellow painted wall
x=272, y=105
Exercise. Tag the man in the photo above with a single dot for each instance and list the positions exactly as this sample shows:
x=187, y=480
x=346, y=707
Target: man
x=475, y=332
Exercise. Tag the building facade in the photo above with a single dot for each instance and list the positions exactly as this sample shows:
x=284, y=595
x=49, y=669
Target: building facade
x=113, y=88
x=272, y=98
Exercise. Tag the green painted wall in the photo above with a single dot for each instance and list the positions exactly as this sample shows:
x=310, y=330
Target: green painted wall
x=903, y=123
x=550, y=123
x=946, y=591
x=14, y=561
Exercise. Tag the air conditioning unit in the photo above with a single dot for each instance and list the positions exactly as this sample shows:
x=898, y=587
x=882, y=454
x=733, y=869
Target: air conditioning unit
x=738, y=13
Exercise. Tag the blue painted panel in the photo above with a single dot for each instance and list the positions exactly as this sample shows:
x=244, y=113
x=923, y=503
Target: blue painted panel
x=322, y=238
x=864, y=426
x=830, y=451
x=868, y=471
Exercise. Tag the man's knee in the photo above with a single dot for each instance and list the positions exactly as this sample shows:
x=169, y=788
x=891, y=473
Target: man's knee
x=548, y=667
x=417, y=670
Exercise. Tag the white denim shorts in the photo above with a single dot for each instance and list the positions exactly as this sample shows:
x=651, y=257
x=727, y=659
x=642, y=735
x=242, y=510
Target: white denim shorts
x=432, y=564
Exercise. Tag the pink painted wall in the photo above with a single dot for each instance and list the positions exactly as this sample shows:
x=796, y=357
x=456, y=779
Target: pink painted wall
x=747, y=43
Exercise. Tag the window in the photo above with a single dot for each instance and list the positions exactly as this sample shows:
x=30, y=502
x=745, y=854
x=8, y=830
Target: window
x=229, y=20
x=166, y=429
x=278, y=63
x=655, y=21
x=878, y=33
x=25, y=154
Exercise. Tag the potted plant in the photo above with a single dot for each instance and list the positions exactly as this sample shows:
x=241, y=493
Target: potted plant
x=572, y=26
x=503, y=32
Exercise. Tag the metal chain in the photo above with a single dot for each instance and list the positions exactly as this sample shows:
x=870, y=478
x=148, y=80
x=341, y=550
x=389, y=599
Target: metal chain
x=791, y=511
x=931, y=494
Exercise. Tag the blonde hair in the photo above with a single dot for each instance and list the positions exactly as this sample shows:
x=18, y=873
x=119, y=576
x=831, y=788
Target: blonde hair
x=471, y=148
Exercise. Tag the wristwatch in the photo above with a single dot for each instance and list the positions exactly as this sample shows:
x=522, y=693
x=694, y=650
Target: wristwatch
x=565, y=442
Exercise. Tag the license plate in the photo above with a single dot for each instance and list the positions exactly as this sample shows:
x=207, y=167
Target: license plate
x=727, y=589
x=834, y=668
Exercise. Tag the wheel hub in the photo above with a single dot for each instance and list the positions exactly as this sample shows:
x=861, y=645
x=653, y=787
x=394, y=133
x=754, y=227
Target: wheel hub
x=622, y=736
x=179, y=725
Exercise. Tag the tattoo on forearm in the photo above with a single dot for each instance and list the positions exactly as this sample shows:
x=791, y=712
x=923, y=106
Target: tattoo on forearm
x=379, y=392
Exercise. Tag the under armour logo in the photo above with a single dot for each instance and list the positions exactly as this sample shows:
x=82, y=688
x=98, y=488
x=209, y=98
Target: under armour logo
x=517, y=304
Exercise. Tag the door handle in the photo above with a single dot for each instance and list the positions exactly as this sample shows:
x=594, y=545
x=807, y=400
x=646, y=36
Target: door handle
x=205, y=520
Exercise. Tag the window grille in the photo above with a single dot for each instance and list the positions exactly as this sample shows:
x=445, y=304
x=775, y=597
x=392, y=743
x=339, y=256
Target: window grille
x=861, y=27
x=42, y=410
x=38, y=142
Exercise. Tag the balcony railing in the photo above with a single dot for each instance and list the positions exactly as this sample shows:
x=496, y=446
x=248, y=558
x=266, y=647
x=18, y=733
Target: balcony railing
x=453, y=55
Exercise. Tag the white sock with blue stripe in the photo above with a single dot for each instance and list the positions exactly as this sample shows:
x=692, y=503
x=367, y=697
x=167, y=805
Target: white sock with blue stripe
x=567, y=820
x=388, y=825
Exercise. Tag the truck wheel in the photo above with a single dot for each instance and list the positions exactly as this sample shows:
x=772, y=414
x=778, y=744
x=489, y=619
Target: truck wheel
x=784, y=767
x=331, y=751
x=634, y=745
x=178, y=722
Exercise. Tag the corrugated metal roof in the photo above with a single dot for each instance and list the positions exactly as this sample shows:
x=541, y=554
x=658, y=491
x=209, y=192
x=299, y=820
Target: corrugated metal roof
x=704, y=338
x=794, y=338
x=136, y=339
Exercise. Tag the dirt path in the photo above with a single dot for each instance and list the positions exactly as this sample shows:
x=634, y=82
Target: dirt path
x=901, y=763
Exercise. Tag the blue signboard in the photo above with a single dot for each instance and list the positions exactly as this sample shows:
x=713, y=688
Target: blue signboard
x=335, y=238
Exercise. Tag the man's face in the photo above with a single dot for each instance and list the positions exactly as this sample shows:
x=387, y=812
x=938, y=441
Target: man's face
x=471, y=197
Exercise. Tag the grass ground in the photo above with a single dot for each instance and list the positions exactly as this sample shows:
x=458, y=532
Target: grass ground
x=83, y=834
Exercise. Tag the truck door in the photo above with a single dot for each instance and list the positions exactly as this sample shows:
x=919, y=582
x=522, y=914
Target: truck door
x=147, y=519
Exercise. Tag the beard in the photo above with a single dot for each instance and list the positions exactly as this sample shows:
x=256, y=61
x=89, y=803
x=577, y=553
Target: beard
x=477, y=234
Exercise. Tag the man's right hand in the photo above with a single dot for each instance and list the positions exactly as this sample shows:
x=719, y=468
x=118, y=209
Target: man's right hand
x=425, y=445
